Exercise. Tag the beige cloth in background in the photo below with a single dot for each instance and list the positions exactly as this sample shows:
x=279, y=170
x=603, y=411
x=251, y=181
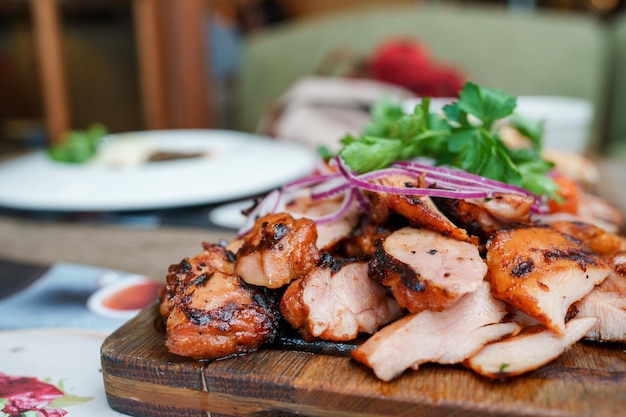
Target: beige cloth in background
x=318, y=111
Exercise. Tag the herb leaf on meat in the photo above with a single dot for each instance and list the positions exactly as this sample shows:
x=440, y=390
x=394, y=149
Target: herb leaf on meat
x=465, y=135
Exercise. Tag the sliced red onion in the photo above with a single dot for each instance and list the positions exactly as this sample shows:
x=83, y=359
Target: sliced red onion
x=330, y=188
x=271, y=203
x=450, y=183
x=347, y=201
x=417, y=191
x=462, y=177
x=308, y=181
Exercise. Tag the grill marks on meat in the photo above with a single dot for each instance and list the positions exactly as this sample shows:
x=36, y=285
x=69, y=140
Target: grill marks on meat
x=484, y=218
x=179, y=276
x=211, y=313
x=220, y=315
x=418, y=211
x=336, y=301
x=598, y=239
x=407, y=268
x=542, y=272
x=449, y=336
x=527, y=351
x=425, y=270
x=277, y=250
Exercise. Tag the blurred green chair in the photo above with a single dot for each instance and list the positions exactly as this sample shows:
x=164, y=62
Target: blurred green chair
x=524, y=53
x=616, y=129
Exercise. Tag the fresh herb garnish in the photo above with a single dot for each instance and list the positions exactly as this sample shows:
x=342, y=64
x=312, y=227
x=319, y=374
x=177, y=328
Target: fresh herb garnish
x=465, y=136
x=78, y=146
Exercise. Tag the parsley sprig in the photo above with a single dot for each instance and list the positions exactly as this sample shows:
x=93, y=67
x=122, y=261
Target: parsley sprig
x=78, y=146
x=466, y=136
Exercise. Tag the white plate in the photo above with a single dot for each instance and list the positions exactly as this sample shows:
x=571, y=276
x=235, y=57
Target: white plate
x=239, y=165
x=69, y=359
x=230, y=215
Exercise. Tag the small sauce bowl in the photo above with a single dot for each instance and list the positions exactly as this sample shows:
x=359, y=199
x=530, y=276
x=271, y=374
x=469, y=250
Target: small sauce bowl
x=124, y=298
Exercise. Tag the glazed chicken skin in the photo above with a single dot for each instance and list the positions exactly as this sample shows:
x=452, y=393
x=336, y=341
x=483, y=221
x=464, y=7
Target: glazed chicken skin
x=213, y=313
x=418, y=211
x=542, y=271
x=425, y=270
x=277, y=250
x=336, y=301
x=483, y=218
x=213, y=258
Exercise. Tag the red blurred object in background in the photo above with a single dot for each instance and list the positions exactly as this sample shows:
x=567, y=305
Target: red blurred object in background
x=407, y=63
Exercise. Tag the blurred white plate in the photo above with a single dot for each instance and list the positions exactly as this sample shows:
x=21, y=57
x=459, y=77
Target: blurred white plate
x=238, y=165
x=67, y=359
x=230, y=215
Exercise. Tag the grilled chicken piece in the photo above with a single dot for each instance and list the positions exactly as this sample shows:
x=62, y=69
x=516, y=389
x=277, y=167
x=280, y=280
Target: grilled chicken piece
x=527, y=351
x=610, y=310
x=277, y=250
x=598, y=239
x=336, y=301
x=510, y=208
x=364, y=240
x=219, y=315
x=594, y=209
x=426, y=270
x=419, y=211
x=483, y=218
x=607, y=302
x=446, y=337
x=329, y=234
x=213, y=258
x=542, y=272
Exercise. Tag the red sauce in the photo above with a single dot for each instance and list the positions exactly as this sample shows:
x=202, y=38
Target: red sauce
x=133, y=298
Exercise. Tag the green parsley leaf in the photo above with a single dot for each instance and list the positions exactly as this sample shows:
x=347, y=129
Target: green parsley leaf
x=465, y=135
x=486, y=104
x=530, y=129
x=370, y=153
x=78, y=146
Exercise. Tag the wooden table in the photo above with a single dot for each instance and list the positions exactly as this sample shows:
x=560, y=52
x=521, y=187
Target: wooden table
x=142, y=251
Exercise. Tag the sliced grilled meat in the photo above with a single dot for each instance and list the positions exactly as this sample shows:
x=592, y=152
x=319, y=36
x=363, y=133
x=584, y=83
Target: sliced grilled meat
x=425, y=270
x=418, y=211
x=607, y=302
x=542, y=272
x=277, y=250
x=336, y=301
x=446, y=337
x=483, y=218
x=598, y=239
x=527, y=351
x=216, y=314
x=213, y=258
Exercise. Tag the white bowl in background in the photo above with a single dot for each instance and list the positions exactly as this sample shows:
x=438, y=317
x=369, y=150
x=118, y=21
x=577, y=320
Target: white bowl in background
x=567, y=120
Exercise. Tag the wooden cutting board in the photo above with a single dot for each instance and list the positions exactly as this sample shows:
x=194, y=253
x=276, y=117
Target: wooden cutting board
x=141, y=378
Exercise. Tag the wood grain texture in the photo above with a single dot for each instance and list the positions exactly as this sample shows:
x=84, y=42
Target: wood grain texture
x=141, y=378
